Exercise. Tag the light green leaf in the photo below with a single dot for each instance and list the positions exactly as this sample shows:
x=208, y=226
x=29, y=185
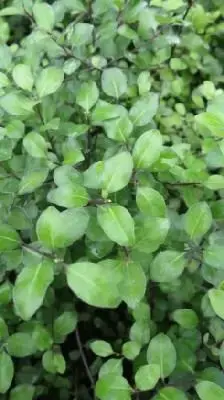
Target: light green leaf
x=214, y=122
x=93, y=175
x=161, y=352
x=170, y=393
x=8, y=11
x=150, y=233
x=117, y=223
x=147, y=149
x=134, y=283
x=144, y=109
x=17, y=104
x=4, y=332
x=131, y=350
x=9, y=238
x=95, y=284
x=105, y=111
x=117, y=172
x=216, y=297
x=147, y=377
x=30, y=288
x=42, y=338
x=87, y=95
x=112, y=366
x=114, y=82
x=20, y=344
x=4, y=80
x=23, y=76
x=150, y=202
x=186, y=318
x=82, y=35
x=215, y=182
x=35, y=145
x=214, y=256
x=198, y=220
x=209, y=391
x=53, y=362
x=58, y=230
x=113, y=386
x=5, y=293
x=167, y=266
x=119, y=129
x=140, y=332
x=71, y=152
x=69, y=196
x=49, y=81
x=44, y=16
x=6, y=371
x=64, y=324
x=32, y=180
x=127, y=32
x=144, y=82
x=101, y=348
x=23, y=391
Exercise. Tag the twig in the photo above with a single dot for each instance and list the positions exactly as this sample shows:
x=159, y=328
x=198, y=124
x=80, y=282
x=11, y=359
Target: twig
x=36, y=251
x=181, y=183
x=83, y=357
x=189, y=6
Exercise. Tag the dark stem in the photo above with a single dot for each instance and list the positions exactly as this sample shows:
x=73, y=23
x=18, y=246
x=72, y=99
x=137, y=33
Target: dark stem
x=189, y=6
x=39, y=252
x=83, y=357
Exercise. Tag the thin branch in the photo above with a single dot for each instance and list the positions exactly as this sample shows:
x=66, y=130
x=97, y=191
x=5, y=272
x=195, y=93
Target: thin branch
x=83, y=357
x=189, y=6
x=36, y=251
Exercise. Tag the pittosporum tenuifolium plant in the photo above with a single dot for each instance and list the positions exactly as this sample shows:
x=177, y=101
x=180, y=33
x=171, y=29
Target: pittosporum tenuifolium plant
x=111, y=200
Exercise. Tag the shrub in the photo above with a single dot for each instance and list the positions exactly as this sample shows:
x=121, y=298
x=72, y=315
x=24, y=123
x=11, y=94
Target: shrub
x=111, y=186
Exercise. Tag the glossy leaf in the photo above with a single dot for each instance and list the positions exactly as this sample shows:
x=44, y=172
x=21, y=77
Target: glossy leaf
x=49, y=81
x=198, y=220
x=167, y=266
x=147, y=377
x=87, y=95
x=113, y=386
x=23, y=76
x=6, y=371
x=134, y=284
x=114, y=82
x=144, y=109
x=216, y=297
x=101, y=348
x=209, y=391
x=150, y=202
x=147, y=149
x=161, y=352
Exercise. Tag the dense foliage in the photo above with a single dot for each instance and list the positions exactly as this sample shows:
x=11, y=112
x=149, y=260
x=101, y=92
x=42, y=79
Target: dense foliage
x=111, y=208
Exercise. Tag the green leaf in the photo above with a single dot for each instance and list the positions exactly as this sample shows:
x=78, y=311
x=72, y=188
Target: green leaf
x=42, y=338
x=87, y=95
x=23, y=76
x=134, y=284
x=17, y=104
x=214, y=255
x=167, y=266
x=170, y=393
x=30, y=288
x=150, y=202
x=82, y=35
x=119, y=129
x=44, y=16
x=209, y=391
x=112, y=366
x=150, y=233
x=69, y=196
x=49, y=81
x=186, y=318
x=95, y=284
x=117, y=223
x=22, y=391
x=144, y=109
x=114, y=82
x=6, y=371
x=20, y=345
x=63, y=325
x=147, y=377
x=113, y=386
x=131, y=350
x=101, y=348
x=93, y=175
x=58, y=230
x=35, y=145
x=147, y=149
x=215, y=182
x=161, y=352
x=4, y=80
x=9, y=238
x=53, y=362
x=140, y=332
x=216, y=297
x=198, y=220
x=144, y=82
x=71, y=152
x=105, y=111
x=4, y=333
x=5, y=293
x=214, y=122
x=117, y=172
x=32, y=180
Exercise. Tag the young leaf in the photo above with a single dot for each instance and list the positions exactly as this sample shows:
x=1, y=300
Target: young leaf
x=23, y=76
x=150, y=202
x=215, y=182
x=6, y=371
x=53, y=362
x=214, y=255
x=35, y=145
x=113, y=386
x=17, y=104
x=101, y=348
x=49, y=81
x=63, y=325
x=112, y=366
x=82, y=34
x=134, y=284
x=44, y=16
x=20, y=345
x=22, y=391
x=167, y=266
x=144, y=109
x=161, y=352
x=32, y=180
x=207, y=390
x=216, y=297
x=87, y=95
x=198, y=220
x=147, y=149
x=69, y=196
x=95, y=284
x=131, y=350
x=170, y=393
x=147, y=377
x=30, y=288
x=186, y=318
x=117, y=172
x=119, y=129
x=114, y=82
x=9, y=238
x=117, y=223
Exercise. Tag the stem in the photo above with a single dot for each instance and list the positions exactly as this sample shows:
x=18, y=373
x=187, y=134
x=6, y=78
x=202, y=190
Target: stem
x=36, y=251
x=189, y=6
x=83, y=357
